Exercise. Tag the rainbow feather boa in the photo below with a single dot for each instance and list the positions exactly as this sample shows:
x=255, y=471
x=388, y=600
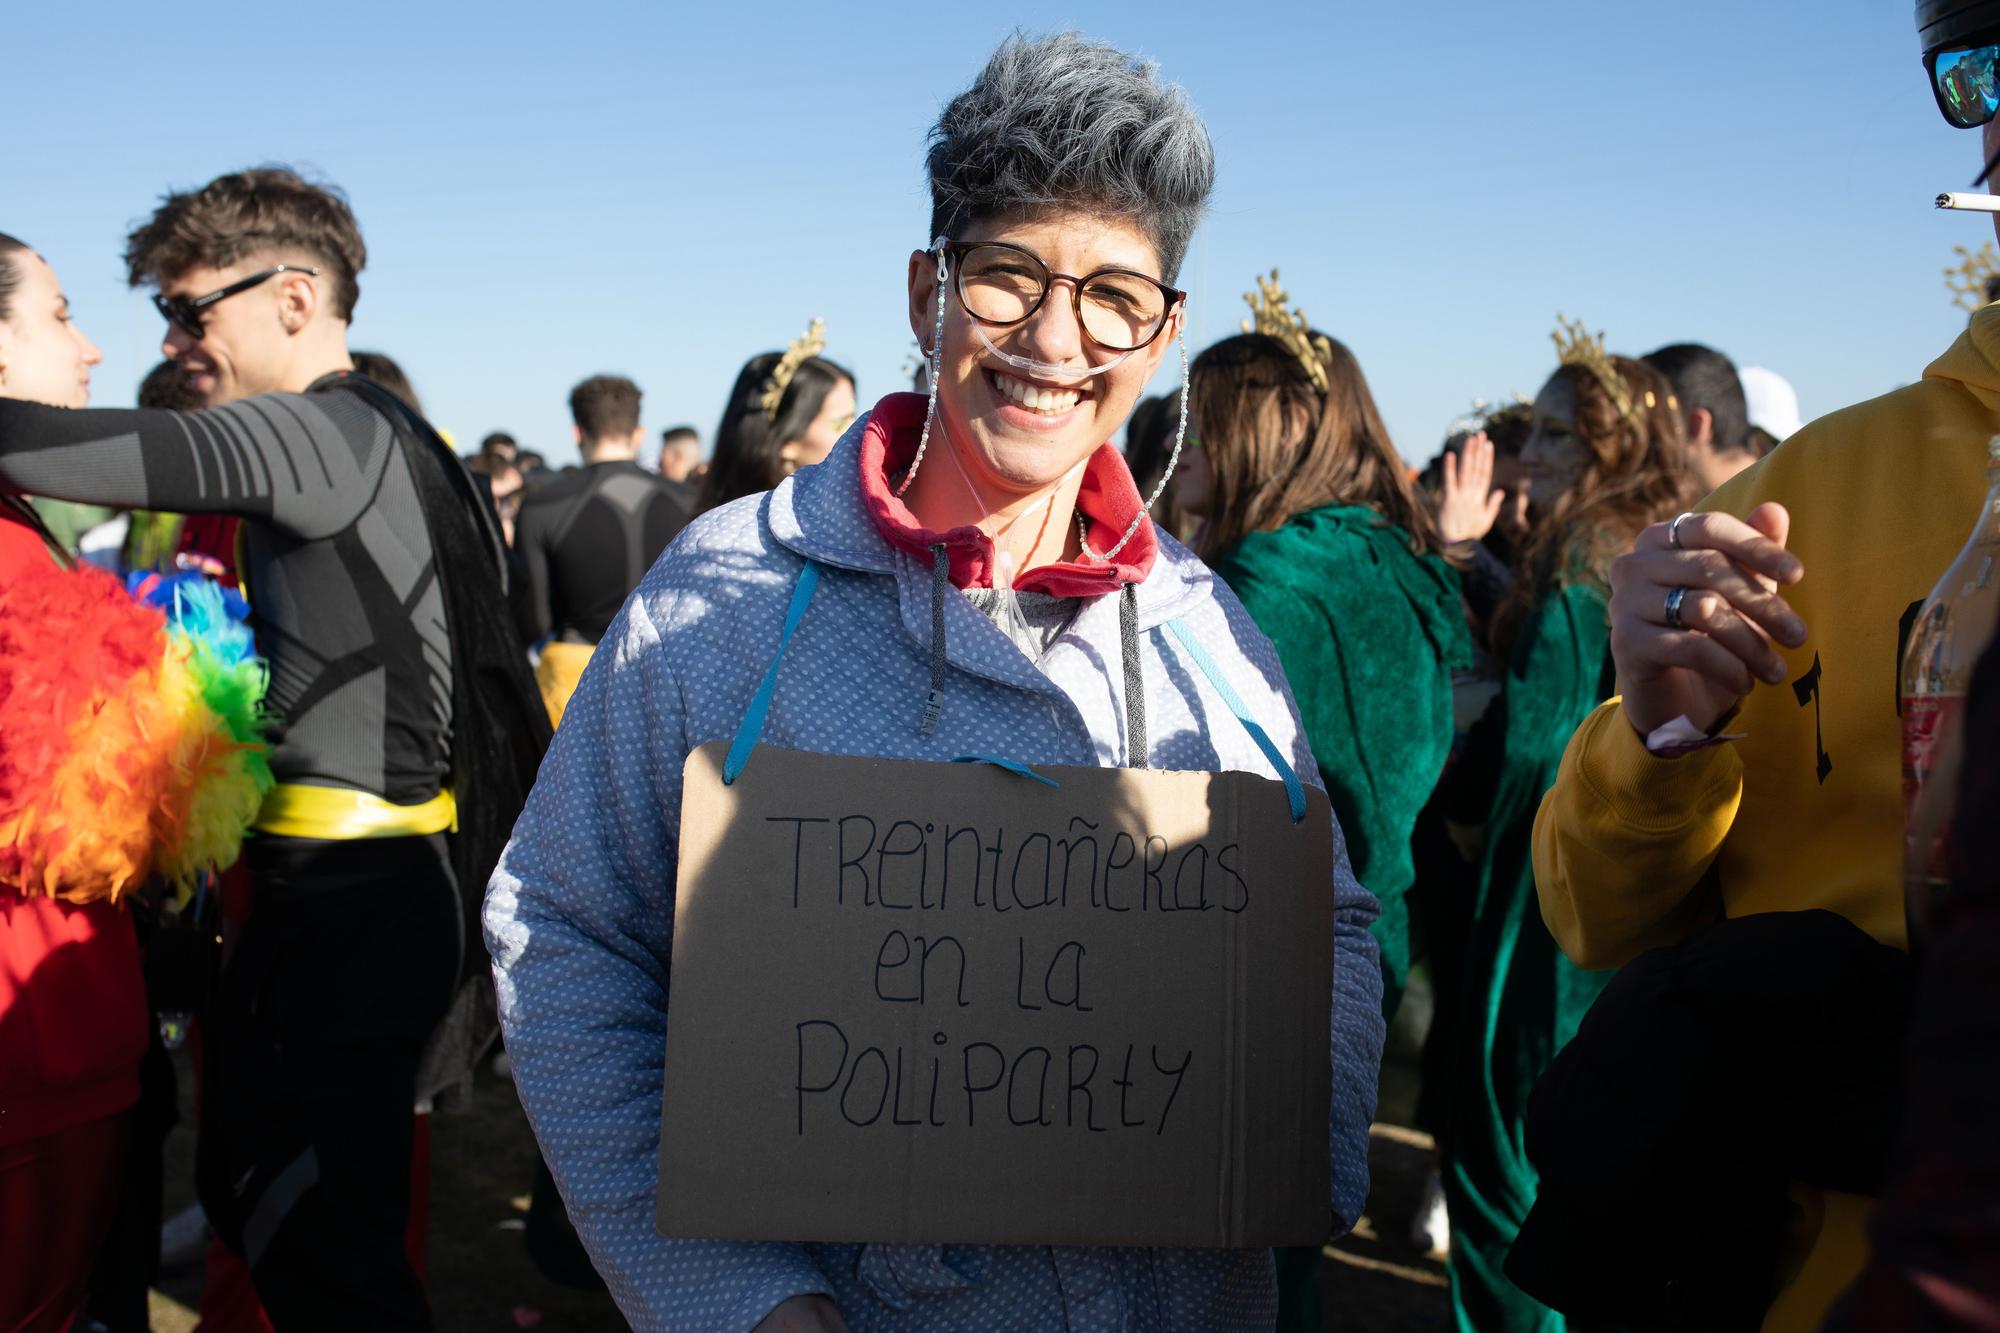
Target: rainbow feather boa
x=131, y=732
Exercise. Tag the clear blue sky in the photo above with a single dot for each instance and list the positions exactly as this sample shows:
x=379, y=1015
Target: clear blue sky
x=550, y=191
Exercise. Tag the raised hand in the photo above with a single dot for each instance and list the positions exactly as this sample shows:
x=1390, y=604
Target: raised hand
x=1468, y=504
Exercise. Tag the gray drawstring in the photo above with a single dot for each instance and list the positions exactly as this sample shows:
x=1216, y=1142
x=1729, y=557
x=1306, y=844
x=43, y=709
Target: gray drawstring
x=1135, y=680
x=1128, y=634
x=940, y=580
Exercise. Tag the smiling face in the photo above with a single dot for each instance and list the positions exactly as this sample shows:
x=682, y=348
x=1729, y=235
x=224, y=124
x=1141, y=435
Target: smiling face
x=836, y=414
x=248, y=344
x=44, y=356
x=1555, y=456
x=1020, y=433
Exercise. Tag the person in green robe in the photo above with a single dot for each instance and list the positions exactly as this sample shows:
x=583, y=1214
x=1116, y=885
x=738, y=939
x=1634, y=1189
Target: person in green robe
x=1308, y=515
x=1605, y=457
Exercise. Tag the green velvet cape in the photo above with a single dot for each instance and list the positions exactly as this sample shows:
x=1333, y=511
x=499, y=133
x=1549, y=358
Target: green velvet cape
x=1369, y=633
x=1523, y=999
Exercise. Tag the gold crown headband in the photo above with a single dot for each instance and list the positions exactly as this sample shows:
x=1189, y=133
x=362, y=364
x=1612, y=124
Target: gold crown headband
x=811, y=345
x=1967, y=280
x=1577, y=346
x=1273, y=316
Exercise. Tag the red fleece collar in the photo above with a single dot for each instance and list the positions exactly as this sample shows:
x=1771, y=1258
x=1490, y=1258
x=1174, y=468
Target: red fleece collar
x=1108, y=499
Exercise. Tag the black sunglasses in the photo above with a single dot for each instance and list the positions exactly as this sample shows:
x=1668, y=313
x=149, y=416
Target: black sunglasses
x=184, y=313
x=1964, y=83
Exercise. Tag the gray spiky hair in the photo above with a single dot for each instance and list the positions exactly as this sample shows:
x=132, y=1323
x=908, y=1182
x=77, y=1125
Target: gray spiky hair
x=1065, y=122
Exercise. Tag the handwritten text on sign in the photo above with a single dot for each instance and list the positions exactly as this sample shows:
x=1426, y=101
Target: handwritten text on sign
x=949, y=873
x=915, y=1001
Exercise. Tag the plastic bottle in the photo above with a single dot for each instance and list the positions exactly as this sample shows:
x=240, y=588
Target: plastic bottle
x=1946, y=641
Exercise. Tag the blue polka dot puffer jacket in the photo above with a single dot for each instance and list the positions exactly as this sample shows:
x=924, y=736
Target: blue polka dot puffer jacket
x=579, y=915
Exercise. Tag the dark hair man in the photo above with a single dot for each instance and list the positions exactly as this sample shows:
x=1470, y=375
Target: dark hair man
x=680, y=463
x=498, y=450
x=587, y=537
x=1712, y=408
x=496, y=475
x=1751, y=764
x=383, y=369
x=680, y=452
x=406, y=713
x=167, y=386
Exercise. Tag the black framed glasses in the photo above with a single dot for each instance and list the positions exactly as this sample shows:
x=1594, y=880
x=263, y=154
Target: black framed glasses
x=1003, y=284
x=184, y=312
x=1964, y=84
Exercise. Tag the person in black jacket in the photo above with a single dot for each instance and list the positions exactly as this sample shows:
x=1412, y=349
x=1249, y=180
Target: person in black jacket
x=587, y=537
x=407, y=730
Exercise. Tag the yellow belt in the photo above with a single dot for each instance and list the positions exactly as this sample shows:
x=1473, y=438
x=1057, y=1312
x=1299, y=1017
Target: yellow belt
x=343, y=814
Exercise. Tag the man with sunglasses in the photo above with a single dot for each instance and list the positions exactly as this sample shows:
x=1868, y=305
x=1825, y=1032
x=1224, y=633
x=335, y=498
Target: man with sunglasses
x=408, y=728
x=1752, y=762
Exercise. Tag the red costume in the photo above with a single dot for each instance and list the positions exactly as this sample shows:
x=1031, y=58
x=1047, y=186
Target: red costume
x=72, y=1031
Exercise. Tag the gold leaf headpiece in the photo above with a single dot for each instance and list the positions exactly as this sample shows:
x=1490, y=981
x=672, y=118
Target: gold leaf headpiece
x=811, y=345
x=1274, y=317
x=1577, y=346
x=1967, y=280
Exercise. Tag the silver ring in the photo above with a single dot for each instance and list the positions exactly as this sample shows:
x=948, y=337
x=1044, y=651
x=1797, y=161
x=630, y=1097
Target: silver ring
x=1674, y=598
x=1674, y=530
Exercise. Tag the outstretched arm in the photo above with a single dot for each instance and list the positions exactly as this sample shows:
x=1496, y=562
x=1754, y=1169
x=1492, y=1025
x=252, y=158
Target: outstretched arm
x=305, y=464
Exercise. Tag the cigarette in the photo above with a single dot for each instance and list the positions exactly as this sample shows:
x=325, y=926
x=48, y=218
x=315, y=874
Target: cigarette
x=1977, y=203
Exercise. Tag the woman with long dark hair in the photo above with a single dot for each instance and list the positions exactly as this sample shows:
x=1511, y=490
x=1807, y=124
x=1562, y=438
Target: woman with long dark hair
x=72, y=1007
x=1605, y=457
x=785, y=411
x=1308, y=515
x=130, y=757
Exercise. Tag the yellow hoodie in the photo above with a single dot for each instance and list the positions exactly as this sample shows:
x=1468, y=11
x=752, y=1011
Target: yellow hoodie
x=1633, y=851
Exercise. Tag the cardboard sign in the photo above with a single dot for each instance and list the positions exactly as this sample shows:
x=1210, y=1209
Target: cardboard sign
x=921, y=1002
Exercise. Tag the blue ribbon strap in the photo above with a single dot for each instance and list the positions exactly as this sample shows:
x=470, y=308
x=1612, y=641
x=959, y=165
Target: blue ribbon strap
x=1295, y=791
x=1011, y=765
x=752, y=726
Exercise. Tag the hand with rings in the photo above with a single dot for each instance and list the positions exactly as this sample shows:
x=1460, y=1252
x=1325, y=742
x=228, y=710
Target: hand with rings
x=1695, y=611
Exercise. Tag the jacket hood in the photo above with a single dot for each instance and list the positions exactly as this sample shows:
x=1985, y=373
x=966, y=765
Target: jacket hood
x=1973, y=360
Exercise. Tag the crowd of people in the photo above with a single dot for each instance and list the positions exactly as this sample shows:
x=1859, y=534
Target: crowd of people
x=1599, y=698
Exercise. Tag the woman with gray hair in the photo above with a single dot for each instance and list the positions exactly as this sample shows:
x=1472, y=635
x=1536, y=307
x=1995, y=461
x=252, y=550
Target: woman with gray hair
x=989, y=584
